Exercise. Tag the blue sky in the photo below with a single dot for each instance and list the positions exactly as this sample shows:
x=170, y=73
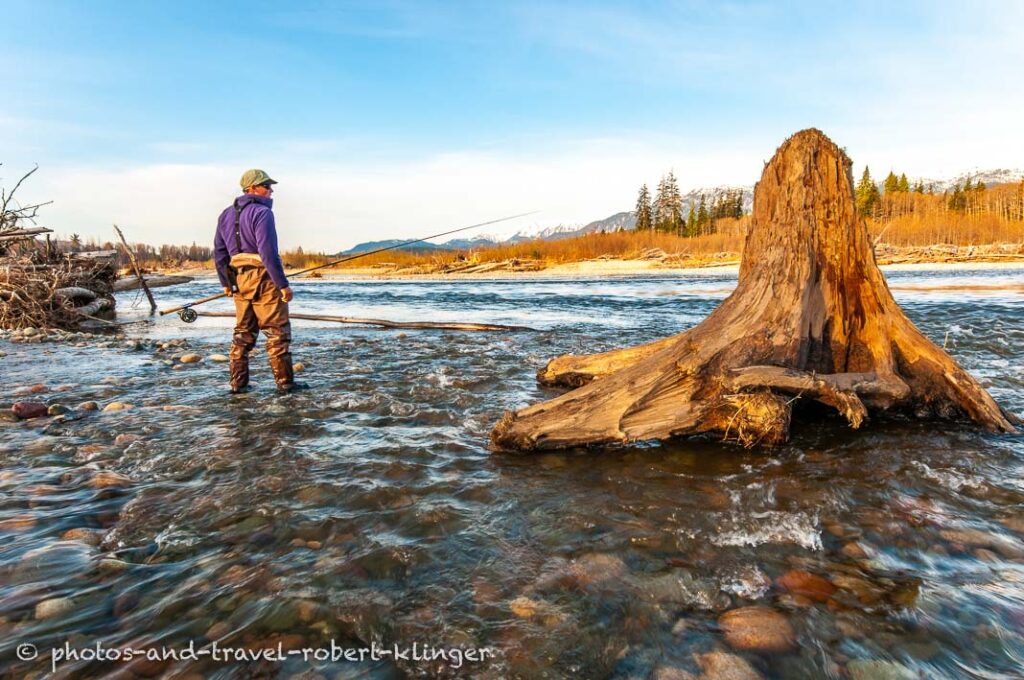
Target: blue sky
x=393, y=119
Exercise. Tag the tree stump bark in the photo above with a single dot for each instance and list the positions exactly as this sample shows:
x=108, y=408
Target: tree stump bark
x=812, y=317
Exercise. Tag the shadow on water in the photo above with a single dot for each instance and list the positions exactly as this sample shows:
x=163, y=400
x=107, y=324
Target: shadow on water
x=369, y=509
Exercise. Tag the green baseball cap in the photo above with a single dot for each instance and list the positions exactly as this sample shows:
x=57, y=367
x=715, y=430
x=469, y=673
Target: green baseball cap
x=251, y=178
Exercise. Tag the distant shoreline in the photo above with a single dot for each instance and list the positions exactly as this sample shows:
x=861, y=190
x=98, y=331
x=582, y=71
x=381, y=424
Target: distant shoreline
x=604, y=268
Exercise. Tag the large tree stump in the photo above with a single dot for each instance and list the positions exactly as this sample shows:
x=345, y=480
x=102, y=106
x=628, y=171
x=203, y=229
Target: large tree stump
x=811, y=317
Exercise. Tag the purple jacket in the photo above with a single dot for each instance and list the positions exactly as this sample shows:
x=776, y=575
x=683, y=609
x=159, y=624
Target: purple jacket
x=259, y=235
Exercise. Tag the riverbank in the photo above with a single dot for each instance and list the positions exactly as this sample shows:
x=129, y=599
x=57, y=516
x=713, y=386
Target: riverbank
x=603, y=268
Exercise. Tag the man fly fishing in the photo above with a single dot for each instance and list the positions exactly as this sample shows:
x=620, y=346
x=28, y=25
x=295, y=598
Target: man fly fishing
x=250, y=270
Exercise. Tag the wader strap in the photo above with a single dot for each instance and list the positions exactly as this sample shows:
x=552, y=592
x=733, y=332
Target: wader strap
x=238, y=229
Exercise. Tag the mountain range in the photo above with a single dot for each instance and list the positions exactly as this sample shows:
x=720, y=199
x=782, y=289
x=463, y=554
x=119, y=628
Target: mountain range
x=626, y=220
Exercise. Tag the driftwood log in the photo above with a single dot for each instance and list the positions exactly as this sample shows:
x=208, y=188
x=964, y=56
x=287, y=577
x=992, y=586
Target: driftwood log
x=811, y=317
x=384, y=323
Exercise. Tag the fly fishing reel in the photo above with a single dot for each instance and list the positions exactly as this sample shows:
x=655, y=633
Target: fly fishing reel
x=188, y=315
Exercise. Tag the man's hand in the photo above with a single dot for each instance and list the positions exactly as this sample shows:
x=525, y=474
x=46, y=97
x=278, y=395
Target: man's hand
x=229, y=292
x=286, y=294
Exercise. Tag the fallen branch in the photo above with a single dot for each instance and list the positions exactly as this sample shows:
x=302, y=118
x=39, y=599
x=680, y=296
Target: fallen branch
x=138, y=270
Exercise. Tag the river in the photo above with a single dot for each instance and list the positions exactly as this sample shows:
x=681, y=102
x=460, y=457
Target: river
x=369, y=510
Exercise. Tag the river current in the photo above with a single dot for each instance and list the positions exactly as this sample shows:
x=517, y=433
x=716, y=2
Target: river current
x=370, y=511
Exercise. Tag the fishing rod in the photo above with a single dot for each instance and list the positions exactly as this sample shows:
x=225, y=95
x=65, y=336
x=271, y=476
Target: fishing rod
x=188, y=315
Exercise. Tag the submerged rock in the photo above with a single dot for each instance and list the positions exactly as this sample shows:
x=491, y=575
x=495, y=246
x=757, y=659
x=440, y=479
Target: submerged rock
x=191, y=358
x=757, y=628
x=26, y=410
x=54, y=562
x=799, y=582
x=976, y=538
x=57, y=606
x=598, y=567
x=524, y=607
x=878, y=669
x=91, y=537
x=679, y=587
x=107, y=478
x=725, y=666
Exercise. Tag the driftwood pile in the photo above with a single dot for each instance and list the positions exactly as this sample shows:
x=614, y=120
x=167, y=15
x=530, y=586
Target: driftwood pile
x=948, y=253
x=41, y=287
x=60, y=291
x=512, y=265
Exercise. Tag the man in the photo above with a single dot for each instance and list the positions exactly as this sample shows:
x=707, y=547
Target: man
x=249, y=267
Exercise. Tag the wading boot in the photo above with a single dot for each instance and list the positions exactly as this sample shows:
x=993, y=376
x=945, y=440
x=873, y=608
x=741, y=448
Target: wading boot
x=239, y=376
x=284, y=374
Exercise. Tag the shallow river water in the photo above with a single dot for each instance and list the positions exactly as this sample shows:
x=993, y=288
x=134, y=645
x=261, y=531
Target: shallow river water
x=369, y=510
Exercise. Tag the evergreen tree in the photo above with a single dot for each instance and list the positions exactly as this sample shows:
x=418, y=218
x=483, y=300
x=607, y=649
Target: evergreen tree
x=691, y=221
x=702, y=215
x=957, y=200
x=892, y=183
x=967, y=185
x=867, y=194
x=979, y=186
x=644, y=215
x=919, y=187
x=668, y=206
x=903, y=186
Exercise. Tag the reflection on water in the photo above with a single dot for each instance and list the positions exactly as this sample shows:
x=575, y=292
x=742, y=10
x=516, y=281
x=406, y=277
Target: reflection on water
x=370, y=510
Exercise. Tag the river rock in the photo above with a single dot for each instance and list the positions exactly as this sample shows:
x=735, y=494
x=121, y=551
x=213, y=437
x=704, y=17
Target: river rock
x=678, y=587
x=54, y=562
x=757, y=628
x=799, y=582
x=108, y=478
x=125, y=439
x=26, y=410
x=91, y=537
x=190, y=358
x=18, y=523
x=117, y=406
x=58, y=410
x=672, y=673
x=1014, y=524
x=878, y=669
x=89, y=406
x=854, y=550
x=976, y=538
x=299, y=367
x=524, y=607
x=597, y=567
x=219, y=358
x=57, y=606
x=725, y=666
x=112, y=566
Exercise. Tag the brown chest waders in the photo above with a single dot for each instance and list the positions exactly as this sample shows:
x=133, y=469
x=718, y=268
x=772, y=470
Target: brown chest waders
x=259, y=306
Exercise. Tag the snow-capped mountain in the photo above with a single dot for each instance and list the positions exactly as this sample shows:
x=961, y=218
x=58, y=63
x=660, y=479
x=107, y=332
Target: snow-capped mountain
x=989, y=177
